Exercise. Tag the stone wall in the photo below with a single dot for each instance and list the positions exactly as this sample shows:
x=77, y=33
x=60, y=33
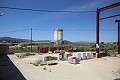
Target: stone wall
x=4, y=49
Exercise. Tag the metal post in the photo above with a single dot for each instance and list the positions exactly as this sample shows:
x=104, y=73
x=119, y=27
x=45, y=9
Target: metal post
x=97, y=33
x=118, y=21
x=118, y=38
x=31, y=40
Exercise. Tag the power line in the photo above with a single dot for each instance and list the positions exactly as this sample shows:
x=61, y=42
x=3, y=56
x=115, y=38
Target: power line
x=44, y=29
x=14, y=31
x=46, y=10
x=89, y=29
x=54, y=29
x=76, y=29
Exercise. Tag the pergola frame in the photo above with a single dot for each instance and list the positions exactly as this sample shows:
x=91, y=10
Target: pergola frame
x=98, y=21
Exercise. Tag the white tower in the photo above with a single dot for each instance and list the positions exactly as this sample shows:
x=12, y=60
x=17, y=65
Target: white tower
x=58, y=37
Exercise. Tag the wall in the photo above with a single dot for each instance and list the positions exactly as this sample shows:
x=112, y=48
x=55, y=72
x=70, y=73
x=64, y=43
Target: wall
x=4, y=49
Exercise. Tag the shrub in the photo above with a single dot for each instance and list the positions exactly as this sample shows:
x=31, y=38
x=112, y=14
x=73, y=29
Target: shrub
x=37, y=62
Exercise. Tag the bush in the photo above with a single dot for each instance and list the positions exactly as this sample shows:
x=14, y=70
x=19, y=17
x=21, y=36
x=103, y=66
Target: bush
x=111, y=53
x=22, y=55
x=37, y=62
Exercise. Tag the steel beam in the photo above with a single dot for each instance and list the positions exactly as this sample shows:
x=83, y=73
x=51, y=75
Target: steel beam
x=31, y=40
x=118, y=21
x=98, y=19
x=97, y=32
x=109, y=7
x=118, y=38
x=109, y=17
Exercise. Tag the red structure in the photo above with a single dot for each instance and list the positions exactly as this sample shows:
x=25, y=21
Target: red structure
x=47, y=49
x=98, y=19
x=42, y=49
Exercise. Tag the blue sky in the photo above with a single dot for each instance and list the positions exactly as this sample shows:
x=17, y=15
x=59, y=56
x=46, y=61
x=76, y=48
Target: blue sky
x=19, y=20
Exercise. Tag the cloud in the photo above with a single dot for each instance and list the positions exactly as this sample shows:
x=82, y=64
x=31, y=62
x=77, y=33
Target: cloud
x=91, y=5
x=84, y=7
x=58, y=16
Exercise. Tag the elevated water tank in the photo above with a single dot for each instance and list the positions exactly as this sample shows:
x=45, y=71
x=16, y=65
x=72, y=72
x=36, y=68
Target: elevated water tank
x=58, y=37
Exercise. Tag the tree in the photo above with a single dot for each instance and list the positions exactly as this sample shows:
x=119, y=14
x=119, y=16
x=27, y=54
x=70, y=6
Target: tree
x=102, y=42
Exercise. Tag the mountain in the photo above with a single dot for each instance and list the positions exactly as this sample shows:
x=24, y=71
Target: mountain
x=66, y=42
x=43, y=41
x=85, y=42
x=10, y=39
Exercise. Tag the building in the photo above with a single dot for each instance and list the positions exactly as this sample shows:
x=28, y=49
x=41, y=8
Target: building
x=58, y=37
x=4, y=49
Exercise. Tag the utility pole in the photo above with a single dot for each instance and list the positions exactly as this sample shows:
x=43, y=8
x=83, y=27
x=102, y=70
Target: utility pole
x=31, y=40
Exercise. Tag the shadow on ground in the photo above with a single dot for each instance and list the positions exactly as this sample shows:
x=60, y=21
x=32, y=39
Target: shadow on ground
x=117, y=79
x=8, y=71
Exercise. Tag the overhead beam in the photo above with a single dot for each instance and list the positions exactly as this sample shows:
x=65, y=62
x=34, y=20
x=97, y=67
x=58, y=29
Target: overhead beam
x=109, y=17
x=109, y=7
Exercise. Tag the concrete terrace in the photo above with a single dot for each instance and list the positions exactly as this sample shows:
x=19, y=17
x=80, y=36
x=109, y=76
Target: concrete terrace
x=13, y=68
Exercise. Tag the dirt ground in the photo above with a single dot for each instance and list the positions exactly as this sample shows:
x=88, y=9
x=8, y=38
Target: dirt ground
x=106, y=68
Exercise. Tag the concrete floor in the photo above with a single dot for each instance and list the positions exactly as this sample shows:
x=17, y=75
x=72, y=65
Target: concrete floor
x=106, y=68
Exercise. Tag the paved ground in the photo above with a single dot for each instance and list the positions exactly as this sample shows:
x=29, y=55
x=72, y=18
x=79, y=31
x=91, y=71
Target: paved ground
x=107, y=68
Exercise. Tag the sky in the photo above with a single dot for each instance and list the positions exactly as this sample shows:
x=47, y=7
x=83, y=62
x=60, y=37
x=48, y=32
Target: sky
x=76, y=26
